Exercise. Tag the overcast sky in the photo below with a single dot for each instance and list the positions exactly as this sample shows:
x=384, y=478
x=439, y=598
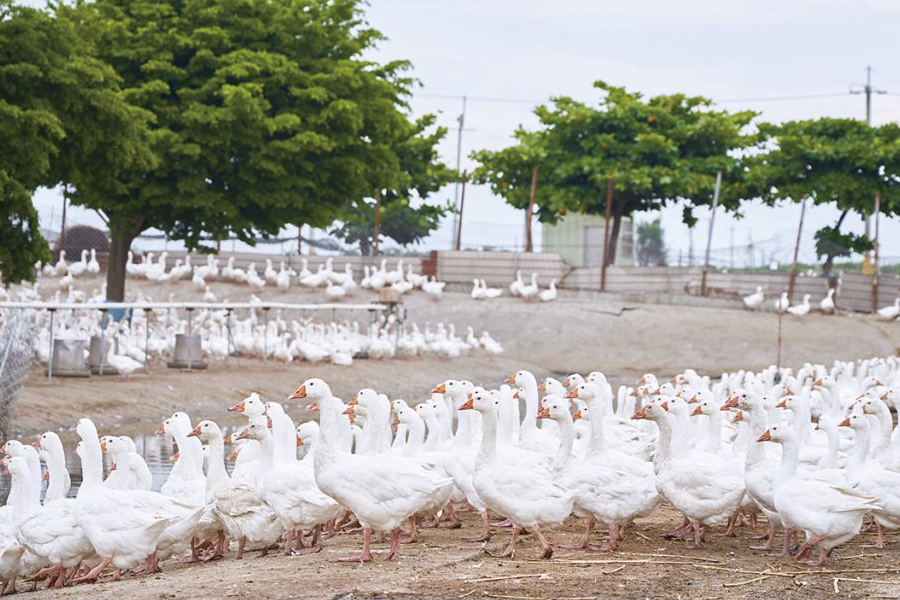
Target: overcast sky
x=509, y=55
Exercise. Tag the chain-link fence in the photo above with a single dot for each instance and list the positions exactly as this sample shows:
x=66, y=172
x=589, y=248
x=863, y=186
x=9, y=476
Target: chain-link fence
x=17, y=334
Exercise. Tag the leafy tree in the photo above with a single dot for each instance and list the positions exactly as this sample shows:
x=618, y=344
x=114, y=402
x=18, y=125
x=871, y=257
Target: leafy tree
x=840, y=161
x=651, y=247
x=419, y=171
x=264, y=113
x=656, y=151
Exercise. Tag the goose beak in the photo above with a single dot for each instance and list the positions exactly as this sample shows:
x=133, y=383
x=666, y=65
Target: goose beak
x=782, y=404
x=46, y=475
x=160, y=430
x=641, y=414
x=577, y=415
x=542, y=387
x=845, y=422
x=176, y=456
x=243, y=435
x=468, y=404
x=642, y=381
x=300, y=392
x=36, y=445
x=765, y=437
x=349, y=410
x=441, y=389
x=299, y=441
x=233, y=456
x=227, y=439
x=269, y=422
x=102, y=446
x=884, y=396
x=697, y=411
x=633, y=392
x=354, y=400
x=239, y=407
x=544, y=413
x=572, y=393
x=396, y=421
x=693, y=399
x=313, y=406
x=566, y=383
x=817, y=383
x=112, y=468
x=195, y=432
x=510, y=379
x=738, y=417
x=730, y=403
x=665, y=406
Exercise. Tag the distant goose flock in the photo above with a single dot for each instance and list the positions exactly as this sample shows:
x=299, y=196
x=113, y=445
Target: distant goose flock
x=815, y=452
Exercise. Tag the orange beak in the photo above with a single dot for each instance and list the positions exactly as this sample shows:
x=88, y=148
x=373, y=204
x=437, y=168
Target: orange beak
x=160, y=430
x=349, y=410
x=542, y=387
x=572, y=393
x=441, y=389
x=269, y=422
x=46, y=475
x=313, y=406
x=817, y=383
x=577, y=415
x=566, y=383
x=103, y=446
x=396, y=421
x=878, y=382
x=510, y=379
x=845, y=423
x=36, y=445
x=665, y=406
x=300, y=392
x=227, y=439
x=730, y=403
x=697, y=411
x=633, y=392
x=642, y=381
x=299, y=441
x=693, y=399
x=738, y=417
x=354, y=400
x=544, y=413
x=641, y=414
x=765, y=437
x=195, y=432
x=243, y=435
x=233, y=456
x=468, y=404
x=239, y=407
x=782, y=404
x=176, y=456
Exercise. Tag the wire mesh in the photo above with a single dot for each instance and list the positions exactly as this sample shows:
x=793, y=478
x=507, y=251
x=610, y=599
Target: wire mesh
x=18, y=331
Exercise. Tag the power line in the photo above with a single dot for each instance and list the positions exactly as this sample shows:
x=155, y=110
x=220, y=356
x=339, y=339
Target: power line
x=480, y=98
x=782, y=98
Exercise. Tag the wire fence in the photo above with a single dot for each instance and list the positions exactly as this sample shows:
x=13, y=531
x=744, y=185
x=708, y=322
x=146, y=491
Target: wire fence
x=18, y=332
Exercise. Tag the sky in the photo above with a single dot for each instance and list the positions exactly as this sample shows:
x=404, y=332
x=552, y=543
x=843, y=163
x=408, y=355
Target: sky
x=788, y=59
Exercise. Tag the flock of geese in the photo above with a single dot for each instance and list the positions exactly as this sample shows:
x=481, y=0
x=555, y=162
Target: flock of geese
x=814, y=451
x=783, y=304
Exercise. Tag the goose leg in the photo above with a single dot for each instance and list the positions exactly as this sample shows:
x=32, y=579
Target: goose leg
x=60, y=578
x=366, y=555
x=879, y=541
x=455, y=523
x=788, y=539
x=585, y=537
x=503, y=523
x=510, y=549
x=240, y=551
x=680, y=530
x=698, y=537
x=548, y=549
x=823, y=556
x=413, y=530
x=94, y=573
x=770, y=539
x=729, y=532
x=315, y=545
x=485, y=529
x=395, y=543
x=806, y=548
x=613, y=543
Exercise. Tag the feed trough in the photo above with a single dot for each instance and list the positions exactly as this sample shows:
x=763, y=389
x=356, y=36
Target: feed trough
x=96, y=361
x=68, y=359
x=188, y=352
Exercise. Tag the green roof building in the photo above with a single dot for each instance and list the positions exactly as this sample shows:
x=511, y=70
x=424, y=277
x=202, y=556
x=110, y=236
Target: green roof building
x=578, y=238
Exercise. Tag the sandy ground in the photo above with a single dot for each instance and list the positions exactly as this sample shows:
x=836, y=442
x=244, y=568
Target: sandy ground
x=577, y=333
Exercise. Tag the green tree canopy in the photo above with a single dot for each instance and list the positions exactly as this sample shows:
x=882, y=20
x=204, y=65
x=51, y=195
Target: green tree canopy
x=657, y=150
x=840, y=161
x=264, y=113
x=651, y=244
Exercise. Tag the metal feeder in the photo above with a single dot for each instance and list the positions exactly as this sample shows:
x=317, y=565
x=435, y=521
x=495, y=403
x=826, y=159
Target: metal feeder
x=188, y=352
x=97, y=353
x=68, y=359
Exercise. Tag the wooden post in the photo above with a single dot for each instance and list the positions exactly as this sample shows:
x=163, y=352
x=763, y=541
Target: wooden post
x=609, y=190
x=299, y=239
x=462, y=203
x=530, y=212
x=712, y=221
x=62, y=228
x=377, y=217
x=793, y=278
x=875, y=266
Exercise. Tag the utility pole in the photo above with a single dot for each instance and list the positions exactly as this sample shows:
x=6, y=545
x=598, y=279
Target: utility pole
x=461, y=119
x=712, y=221
x=462, y=203
x=868, y=90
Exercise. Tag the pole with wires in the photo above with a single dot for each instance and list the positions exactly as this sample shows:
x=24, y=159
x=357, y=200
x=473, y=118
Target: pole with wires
x=462, y=122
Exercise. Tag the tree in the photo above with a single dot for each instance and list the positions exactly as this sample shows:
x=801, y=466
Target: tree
x=651, y=247
x=840, y=161
x=60, y=110
x=656, y=151
x=264, y=113
x=419, y=173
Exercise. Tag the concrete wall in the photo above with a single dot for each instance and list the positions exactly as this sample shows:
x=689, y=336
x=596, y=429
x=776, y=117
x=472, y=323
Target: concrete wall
x=498, y=268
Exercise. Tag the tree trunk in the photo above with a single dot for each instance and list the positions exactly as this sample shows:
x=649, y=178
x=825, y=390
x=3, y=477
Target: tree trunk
x=618, y=212
x=122, y=233
x=829, y=258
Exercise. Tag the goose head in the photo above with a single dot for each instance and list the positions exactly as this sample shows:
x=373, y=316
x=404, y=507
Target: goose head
x=207, y=431
x=481, y=400
x=778, y=433
x=314, y=389
x=554, y=408
x=655, y=411
x=251, y=406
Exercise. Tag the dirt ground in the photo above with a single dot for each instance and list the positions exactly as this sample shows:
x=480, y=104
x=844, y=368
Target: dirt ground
x=579, y=332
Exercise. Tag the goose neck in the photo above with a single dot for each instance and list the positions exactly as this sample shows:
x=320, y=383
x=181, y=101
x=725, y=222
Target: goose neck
x=566, y=440
x=488, y=450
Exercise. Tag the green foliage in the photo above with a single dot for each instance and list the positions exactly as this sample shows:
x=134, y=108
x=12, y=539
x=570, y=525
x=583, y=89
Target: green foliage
x=651, y=246
x=831, y=242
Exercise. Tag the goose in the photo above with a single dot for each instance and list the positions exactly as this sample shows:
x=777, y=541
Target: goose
x=131, y=472
x=382, y=494
x=826, y=304
x=549, y=295
x=123, y=365
x=11, y=549
x=282, y=279
x=335, y=291
x=782, y=303
x=700, y=485
x=77, y=269
x=93, y=267
x=237, y=505
x=477, y=293
x=490, y=292
x=802, y=309
x=434, y=288
x=208, y=296
x=529, y=291
x=754, y=301
x=830, y=514
x=60, y=268
x=515, y=288
x=527, y=496
x=186, y=480
x=890, y=312
x=615, y=495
